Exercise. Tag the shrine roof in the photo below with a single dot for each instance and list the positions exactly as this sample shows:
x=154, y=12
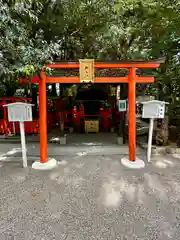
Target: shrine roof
x=158, y=61
x=153, y=63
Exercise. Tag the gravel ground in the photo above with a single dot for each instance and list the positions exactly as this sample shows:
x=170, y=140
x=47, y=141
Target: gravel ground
x=90, y=196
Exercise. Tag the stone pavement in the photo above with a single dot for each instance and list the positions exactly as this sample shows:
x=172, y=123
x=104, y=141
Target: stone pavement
x=14, y=150
x=90, y=196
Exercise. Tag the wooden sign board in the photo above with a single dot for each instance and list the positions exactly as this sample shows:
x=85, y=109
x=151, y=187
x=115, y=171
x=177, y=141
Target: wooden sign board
x=86, y=70
x=154, y=109
x=19, y=112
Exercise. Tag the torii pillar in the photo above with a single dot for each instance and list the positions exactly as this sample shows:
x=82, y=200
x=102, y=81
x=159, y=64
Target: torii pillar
x=44, y=163
x=133, y=161
x=132, y=113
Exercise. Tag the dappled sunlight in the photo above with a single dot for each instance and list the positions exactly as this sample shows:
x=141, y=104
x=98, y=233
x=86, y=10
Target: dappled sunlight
x=55, y=139
x=113, y=193
x=91, y=144
x=116, y=191
x=63, y=162
x=13, y=151
x=3, y=157
x=54, y=175
x=161, y=162
x=113, y=198
x=155, y=185
x=80, y=154
x=90, y=150
x=169, y=162
x=110, y=195
x=176, y=155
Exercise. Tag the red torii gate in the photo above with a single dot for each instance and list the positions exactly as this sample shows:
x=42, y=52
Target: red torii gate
x=131, y=79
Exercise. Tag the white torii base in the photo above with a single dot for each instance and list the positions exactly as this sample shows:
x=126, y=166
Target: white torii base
x=134, y=165
x=52, y=163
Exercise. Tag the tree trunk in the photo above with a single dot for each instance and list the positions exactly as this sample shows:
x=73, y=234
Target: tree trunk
x=161, y=132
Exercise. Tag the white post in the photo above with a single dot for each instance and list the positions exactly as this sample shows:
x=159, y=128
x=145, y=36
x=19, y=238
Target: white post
x=23, y=144
x=151, y=125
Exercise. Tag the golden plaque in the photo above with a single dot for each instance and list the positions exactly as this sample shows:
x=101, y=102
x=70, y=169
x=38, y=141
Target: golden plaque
x=112, y=91
x=86, y=70
x=91, y=126
x=70, y=93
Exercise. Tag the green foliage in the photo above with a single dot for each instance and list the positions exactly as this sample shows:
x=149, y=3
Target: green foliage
x=155, y=27
x=22, y=53
x=34, y=33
